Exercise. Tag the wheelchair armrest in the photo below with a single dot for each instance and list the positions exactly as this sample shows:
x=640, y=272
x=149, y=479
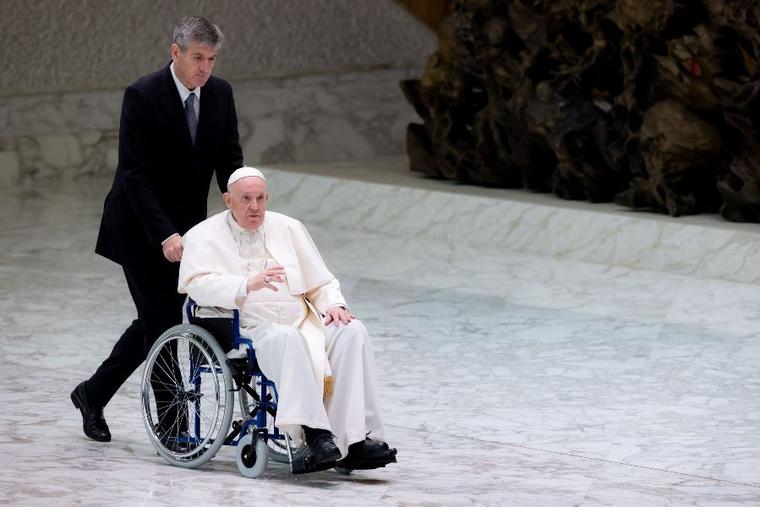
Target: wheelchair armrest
x=191, y=306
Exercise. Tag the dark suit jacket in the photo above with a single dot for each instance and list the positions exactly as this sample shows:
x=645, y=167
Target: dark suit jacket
x=162, y=182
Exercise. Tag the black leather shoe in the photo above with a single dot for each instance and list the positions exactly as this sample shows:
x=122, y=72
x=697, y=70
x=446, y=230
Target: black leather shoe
x=321, y=455
x=93, y=423
x=323, y=448
x=367, y=455
x=181, y=443
x=368, y=447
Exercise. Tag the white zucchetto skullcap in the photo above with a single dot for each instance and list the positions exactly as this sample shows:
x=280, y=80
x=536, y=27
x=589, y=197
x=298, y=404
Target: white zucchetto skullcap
x=244, y=172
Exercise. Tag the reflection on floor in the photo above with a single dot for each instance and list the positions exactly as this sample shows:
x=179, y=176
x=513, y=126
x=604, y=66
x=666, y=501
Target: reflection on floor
x=507, y=378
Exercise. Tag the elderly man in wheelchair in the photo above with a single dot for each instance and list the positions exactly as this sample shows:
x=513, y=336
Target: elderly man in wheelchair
x=266, y=320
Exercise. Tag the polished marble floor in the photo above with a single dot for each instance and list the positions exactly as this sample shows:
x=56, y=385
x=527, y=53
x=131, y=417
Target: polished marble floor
x=506, y=378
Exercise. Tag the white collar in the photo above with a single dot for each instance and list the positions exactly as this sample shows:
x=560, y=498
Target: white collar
x=238, y=232
x=184, y=93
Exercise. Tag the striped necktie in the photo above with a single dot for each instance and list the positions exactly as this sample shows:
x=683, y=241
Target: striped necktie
x=192, y=120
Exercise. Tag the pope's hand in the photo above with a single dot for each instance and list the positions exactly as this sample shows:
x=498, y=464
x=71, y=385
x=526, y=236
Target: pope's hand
x=172, y=248
x=263, y=279
x=339, y=315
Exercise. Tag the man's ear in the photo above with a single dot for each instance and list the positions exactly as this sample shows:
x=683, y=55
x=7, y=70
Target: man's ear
x=175, y=51
x=226, y=197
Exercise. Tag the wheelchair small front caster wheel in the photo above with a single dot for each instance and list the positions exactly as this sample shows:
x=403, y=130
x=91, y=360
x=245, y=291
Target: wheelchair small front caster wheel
x=343, y=471
x=251, y=456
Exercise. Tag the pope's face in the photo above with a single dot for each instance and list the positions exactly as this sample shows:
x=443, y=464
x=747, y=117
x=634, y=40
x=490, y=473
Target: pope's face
x=193, y=67
x=247, y=200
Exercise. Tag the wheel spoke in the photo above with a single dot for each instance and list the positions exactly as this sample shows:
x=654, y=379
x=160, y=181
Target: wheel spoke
x=187, y=386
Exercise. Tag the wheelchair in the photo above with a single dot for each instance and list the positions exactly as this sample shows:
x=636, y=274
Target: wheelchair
x=188, y=390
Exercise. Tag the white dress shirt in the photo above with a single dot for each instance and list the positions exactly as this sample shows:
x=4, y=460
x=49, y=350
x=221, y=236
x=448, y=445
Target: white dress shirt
x=184, y=93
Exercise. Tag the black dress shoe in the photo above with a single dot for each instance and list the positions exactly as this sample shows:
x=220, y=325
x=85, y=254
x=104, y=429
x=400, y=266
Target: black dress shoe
x=93, y=423
x=181, y=443
x=322, y=453
x=367, y=455
x=368, y=447
x=323, y=449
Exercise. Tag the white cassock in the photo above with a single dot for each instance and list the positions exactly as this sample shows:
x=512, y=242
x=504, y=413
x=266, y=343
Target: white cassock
x=293, y=347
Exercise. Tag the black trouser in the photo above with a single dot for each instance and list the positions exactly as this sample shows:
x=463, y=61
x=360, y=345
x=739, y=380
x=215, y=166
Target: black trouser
x=154, y=291
x=171, y=404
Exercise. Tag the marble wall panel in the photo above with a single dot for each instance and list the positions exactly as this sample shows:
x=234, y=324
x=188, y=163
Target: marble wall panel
x=349, y=116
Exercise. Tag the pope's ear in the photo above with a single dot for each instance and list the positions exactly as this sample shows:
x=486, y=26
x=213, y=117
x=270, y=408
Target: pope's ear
x=226, y=197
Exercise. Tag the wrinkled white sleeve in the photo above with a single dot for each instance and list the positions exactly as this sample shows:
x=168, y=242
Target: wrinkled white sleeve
x=326, y=296
x=202, y=276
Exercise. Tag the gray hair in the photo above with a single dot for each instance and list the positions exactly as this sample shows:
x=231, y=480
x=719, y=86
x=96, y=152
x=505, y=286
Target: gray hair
x=199, y=30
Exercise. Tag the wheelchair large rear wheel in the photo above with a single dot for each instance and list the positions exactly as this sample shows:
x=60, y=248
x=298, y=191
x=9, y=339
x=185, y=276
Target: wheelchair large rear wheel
x=187, y=396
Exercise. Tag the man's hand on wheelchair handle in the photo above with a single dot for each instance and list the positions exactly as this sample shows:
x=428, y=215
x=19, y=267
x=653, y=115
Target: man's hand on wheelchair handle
x=263, y=279
x=172, y=248
x=339, y=315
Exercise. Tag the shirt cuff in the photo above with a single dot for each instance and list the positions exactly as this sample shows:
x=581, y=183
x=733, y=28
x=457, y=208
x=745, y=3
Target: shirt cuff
x=170, y=237
x=241, y=293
